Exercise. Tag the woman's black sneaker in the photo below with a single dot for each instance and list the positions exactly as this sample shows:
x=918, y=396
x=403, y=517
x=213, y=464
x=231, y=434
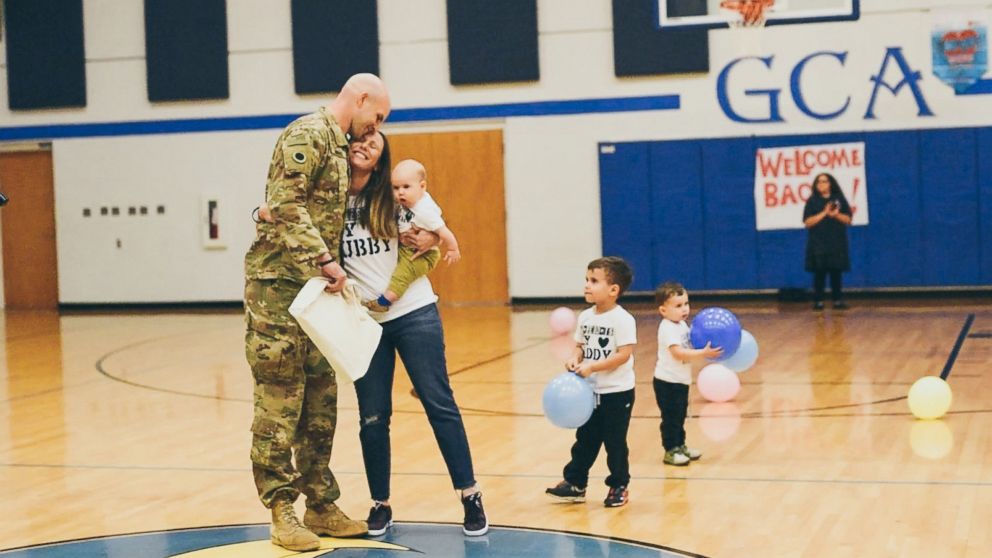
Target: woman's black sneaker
x=380, y=518
x=476, y=523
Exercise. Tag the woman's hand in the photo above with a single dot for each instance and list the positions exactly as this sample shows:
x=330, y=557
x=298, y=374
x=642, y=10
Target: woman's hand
x=265, y=214
x=421, y=240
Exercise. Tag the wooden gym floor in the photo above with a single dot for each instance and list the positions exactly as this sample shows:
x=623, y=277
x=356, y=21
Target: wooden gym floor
x=114, y=423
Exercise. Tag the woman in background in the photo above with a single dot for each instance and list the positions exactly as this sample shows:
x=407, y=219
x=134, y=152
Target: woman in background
x=827, y=216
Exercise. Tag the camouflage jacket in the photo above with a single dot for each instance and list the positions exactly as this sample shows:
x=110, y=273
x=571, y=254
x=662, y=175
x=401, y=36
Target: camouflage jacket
x=306, y=190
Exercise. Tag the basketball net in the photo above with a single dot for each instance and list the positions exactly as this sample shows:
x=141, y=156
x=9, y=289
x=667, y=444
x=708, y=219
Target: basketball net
x=746, y=19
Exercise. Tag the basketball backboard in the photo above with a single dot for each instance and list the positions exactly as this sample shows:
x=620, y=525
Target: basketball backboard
x=709, y=14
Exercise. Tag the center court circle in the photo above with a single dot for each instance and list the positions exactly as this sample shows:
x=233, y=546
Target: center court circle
x=413, y=540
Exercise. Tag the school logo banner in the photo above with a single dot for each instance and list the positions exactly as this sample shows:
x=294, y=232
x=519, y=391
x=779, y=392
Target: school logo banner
x=783, y=181
x=960, y=48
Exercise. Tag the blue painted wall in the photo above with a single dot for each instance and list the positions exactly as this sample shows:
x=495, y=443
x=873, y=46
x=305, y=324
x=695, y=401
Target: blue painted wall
x=684, y=210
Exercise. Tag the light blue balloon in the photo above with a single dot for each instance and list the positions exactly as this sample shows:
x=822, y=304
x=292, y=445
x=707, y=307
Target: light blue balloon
x=568, y=400
x=745, y=355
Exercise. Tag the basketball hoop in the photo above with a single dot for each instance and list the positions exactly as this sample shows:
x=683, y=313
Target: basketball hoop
x=750, y=13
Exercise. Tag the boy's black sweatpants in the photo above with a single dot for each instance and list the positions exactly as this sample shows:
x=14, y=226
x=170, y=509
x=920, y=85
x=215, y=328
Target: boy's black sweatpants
x=673, y=400
x=606, y=427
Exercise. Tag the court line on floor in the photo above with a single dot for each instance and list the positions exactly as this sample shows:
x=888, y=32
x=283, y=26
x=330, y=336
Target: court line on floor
x=550, y=476
x=957, y=347
x=785, y=413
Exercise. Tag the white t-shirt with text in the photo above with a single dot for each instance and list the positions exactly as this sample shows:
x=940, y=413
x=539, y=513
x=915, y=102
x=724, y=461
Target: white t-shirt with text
x=425, y=215
x=370, y=262
x=669, y=368
x=600, y=335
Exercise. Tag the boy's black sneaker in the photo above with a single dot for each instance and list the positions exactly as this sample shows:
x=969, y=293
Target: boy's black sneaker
x=380, y=519
x=616, y=497
x=566, y=492
x=475, y=523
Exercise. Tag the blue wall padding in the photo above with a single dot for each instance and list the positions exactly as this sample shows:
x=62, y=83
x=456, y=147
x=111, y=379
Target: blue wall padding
x=641, y=48
x=984, y=155
x=46, y=60
x=929, y=204
x=677, y=200
x=628, y=197
x=949, y=196
x=492, y=42
x=186, y=50
x=333, y=40
x=729, y=224
x=894, y=247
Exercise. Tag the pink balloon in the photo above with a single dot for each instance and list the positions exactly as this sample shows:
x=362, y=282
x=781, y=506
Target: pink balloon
x=718, y=383
x=562, y=320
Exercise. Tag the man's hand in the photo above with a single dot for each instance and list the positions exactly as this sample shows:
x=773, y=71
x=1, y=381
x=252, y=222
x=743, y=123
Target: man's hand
x=335, y=276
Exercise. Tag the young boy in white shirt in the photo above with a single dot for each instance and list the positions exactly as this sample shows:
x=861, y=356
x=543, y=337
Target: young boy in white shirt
x=605, y=336
x=673, y=373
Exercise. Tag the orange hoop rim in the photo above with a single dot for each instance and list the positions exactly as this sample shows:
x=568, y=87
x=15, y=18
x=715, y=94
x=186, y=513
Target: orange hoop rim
x=752, y=12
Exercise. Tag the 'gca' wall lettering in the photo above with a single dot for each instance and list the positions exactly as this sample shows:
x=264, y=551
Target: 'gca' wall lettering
x=893, y=55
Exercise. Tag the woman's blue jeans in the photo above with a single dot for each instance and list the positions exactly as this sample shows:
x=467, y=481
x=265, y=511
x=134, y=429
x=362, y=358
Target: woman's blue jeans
x=419, y=339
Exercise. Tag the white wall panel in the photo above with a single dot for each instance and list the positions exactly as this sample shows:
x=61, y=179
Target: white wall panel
x=412, y=21
x=113, y=29
x=556, y=16
x=254, y=25
x=160, y=257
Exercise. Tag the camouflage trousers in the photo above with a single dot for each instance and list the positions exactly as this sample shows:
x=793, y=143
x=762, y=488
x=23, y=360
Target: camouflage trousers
x=295, y=397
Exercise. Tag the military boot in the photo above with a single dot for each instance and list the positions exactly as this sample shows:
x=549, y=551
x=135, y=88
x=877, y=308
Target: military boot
x=286, y=530
x=330, y=520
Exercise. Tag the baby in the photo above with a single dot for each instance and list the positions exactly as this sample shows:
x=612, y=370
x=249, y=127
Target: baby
x=416, y=210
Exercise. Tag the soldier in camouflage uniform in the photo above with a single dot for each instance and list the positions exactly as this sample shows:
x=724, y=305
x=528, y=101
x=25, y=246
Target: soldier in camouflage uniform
x=295, y=388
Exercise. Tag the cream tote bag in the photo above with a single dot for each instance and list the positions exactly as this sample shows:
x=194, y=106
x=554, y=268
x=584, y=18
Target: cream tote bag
x=339, y=326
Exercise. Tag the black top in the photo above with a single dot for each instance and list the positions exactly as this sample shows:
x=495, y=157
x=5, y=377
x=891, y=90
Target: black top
x=826, y=245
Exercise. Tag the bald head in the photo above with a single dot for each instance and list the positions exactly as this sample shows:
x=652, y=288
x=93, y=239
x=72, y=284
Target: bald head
x=366, y=83
x=362, y=105
x=411, y=169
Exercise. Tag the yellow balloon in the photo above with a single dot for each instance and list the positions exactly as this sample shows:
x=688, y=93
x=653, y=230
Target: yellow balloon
x=929, y=398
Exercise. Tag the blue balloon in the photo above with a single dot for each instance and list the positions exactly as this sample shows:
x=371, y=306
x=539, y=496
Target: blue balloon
x=746, y=354
x=568, y=400
x=719, y=327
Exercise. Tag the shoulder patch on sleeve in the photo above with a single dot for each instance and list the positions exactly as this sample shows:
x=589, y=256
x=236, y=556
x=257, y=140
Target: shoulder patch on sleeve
x=299, y=159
